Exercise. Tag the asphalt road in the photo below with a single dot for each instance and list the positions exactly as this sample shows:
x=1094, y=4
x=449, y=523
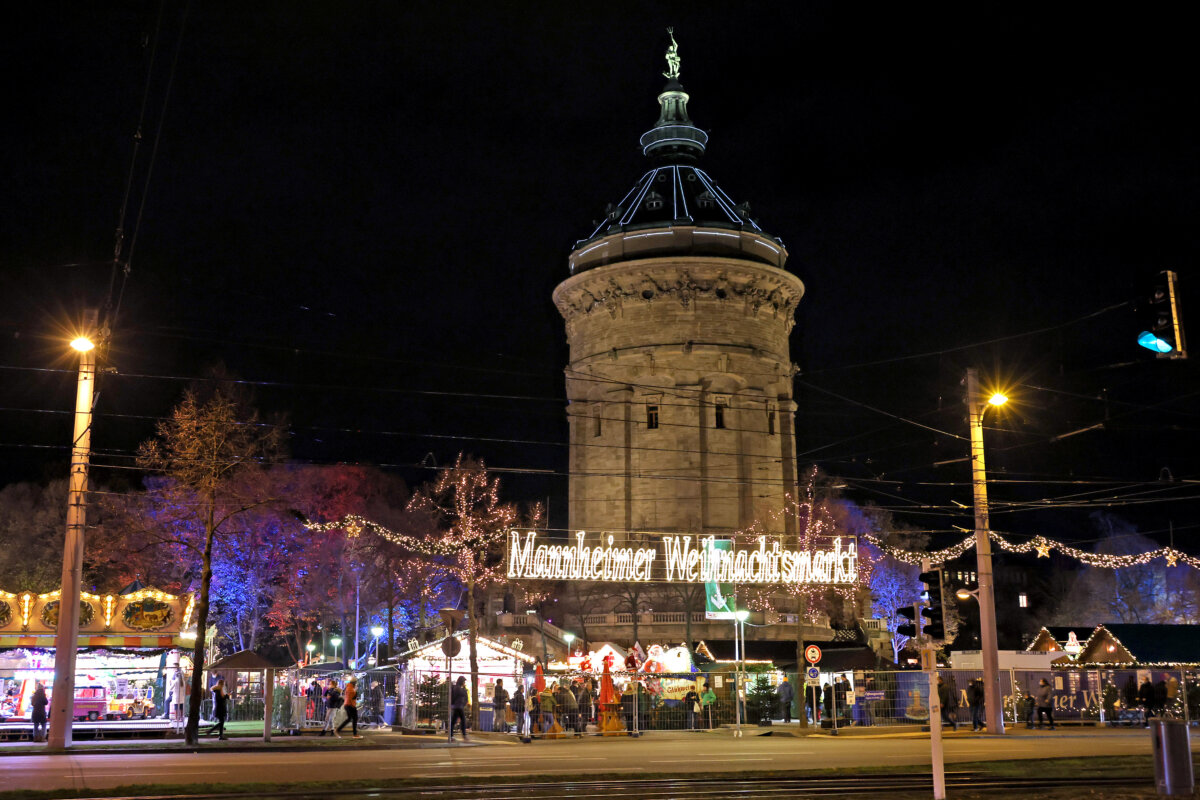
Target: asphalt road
x=676, y=754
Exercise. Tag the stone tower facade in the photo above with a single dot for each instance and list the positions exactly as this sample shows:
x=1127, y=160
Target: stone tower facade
x=679, y=386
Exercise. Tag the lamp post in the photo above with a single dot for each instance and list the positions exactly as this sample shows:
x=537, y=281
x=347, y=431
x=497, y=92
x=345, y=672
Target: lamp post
x=62, y=701
x=568, y=638
x=739, y=635
x=983, y=555
x=310, y=647
x=336, y=642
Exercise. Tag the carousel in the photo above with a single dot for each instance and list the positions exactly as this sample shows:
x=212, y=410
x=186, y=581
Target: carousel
x=130, y=643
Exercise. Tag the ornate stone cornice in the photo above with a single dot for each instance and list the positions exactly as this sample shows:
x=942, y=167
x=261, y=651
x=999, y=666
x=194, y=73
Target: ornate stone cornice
x=685, y=280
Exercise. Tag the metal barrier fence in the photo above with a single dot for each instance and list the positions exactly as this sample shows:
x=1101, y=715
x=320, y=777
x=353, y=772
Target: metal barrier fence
x=574, y=702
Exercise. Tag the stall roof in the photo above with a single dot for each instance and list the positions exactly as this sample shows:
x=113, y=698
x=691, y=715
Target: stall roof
x=246, y=660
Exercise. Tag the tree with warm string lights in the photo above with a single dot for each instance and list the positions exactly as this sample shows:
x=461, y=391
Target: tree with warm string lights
x=472, y=522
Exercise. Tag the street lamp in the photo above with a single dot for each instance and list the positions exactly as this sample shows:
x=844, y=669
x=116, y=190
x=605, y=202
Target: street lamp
x=985, y=594
x=568, y=638
x=336, y=642
x=66, y=638
x=376, y=631
x=310, y=647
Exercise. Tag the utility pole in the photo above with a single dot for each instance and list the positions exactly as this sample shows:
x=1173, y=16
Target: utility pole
x=983, y=554
x=66, y=638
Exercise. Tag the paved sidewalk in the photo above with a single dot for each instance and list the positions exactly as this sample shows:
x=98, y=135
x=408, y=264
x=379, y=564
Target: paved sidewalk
x=247, y=743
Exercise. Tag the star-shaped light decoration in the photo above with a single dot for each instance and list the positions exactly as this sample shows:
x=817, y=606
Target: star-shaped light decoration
x=353, y=529
x=1172, y=557
x=1043, y=549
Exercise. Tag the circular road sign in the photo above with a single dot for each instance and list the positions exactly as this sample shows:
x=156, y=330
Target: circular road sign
x=452, y=646
x=813, y=674
x=812, y=654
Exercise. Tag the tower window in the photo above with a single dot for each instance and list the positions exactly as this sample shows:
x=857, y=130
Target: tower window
x=596, y=421
x=1023, y=600
x=654, y=201
x=706, y=199
x=651, y=417
x=770, y=420
x=719, y=420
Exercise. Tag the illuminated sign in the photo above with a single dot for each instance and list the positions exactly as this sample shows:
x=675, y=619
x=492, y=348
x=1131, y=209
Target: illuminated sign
x=680, y=559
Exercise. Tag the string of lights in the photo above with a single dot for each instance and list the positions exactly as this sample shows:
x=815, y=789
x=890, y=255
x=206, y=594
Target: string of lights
x=1043, y=546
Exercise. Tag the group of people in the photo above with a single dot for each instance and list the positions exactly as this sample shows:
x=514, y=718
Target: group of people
x=329, y=699
x=949, y=700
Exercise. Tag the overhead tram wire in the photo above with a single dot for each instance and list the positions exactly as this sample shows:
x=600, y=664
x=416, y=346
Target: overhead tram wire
x=119, y=235
x=111, y=323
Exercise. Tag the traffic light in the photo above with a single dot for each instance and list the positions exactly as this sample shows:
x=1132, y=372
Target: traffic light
x=935, y=612
x=912, y=614
x=1162, y=322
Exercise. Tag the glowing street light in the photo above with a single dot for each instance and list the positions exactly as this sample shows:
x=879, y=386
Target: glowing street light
x=985, y=594
x=376, y=631
x=66, y=638
x=336, y=642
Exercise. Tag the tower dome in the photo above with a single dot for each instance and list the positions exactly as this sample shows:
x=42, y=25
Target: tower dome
x=676, y=196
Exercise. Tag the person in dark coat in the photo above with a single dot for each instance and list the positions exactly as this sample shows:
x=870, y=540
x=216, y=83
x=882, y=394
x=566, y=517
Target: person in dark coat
x=583, y=696
x=517, y=704
x=1146, y=700
x=458, y=706
x=1160, y=696
x=220, y=709
x=499, y=707
x=787, y=694
x=945, y=699
x=827, y=702
x=1044, y=695
x=975, y=698
x=37, y=705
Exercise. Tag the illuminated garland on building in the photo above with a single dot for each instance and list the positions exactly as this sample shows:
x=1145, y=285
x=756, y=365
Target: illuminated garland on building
x=1042, y=546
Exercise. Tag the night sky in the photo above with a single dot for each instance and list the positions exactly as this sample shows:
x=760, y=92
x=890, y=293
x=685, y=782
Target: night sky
x=363, y=209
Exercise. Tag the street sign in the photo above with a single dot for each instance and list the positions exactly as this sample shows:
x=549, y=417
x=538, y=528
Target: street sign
x=452, y=646
x=812, y=654
x=812, y=676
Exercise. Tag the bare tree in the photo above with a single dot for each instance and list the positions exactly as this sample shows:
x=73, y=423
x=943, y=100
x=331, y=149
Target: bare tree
x=212, y=448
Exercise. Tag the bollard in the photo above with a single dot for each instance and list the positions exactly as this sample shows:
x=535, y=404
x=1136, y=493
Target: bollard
x=1172, y=757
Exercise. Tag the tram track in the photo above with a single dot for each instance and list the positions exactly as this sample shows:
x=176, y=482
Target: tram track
x=739, y=788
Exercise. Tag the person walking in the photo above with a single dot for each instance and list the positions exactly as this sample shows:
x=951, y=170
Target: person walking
x=943, y=692
x=517, y=704
x=333, y=701
x=827, y=704
x=1045, y=703
x=975, y=699
x=499, y=707
x=37, y=705
x=458, y=705
x=787, y=693
x=691, y=706
x=350, y=703
x=570, y=708
x=708, y=699
x=220, y=708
